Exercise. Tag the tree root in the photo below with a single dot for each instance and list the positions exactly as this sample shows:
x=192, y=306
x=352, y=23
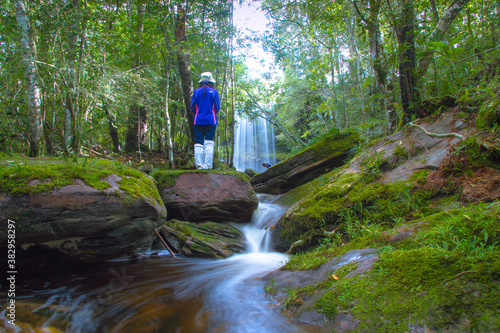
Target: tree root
x=436, y=135
x=486, y=145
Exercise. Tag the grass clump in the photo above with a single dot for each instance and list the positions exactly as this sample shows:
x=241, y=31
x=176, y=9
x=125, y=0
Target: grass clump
x=445, y=277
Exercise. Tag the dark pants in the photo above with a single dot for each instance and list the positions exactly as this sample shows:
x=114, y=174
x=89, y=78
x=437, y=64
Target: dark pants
x=204, y=132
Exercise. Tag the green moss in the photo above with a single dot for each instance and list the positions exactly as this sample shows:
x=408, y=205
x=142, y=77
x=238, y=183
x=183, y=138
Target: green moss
x=486, y=118
x=166, y=178
x=373, y=236
x=306, y=261
x=445, y=277
x=138, y=185
x=346, y=269
x=416, y=287
x=208, y=239
x=37, y=178
x=33, y=179
x=348, y=205
x=373, y=165
x=420, y=176
x=332, y=144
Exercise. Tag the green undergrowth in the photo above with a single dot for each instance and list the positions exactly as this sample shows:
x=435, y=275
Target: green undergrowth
x=473, y=156
x=33, y=177
x=444, y=277
x=485, y=98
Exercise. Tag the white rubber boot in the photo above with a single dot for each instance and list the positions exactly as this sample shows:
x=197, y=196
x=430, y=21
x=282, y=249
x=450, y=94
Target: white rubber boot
x=199, y=150
x=209, y=154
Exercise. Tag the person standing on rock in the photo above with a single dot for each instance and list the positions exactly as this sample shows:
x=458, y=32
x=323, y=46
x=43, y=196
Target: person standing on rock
x=205, y=106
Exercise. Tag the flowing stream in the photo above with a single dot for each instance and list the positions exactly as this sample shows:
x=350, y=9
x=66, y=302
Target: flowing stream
x=162, y=294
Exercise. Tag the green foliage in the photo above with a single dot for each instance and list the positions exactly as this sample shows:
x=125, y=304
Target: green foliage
x=471, y=230
x=270, y=287
x=472, y=155
x=487, y=118
x=293, y=298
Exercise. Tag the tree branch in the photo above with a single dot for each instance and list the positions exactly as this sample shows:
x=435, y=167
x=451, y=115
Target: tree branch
x=361, y=16
x=272, y=120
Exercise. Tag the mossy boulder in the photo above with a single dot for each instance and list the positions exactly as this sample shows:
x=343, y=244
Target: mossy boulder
x=77, y=212
x=200, y=196
x=327, y=154
x=344, y=202
x=205, y=240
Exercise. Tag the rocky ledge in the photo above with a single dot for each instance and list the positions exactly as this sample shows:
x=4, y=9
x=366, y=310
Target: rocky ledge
x=207, y=196
x=70, y=213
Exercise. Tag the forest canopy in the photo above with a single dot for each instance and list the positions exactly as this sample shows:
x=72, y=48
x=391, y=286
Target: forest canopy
x=117, y=76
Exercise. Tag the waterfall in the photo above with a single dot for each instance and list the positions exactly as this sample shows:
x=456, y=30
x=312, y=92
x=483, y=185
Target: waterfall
x=254, y=144
x=257, y=232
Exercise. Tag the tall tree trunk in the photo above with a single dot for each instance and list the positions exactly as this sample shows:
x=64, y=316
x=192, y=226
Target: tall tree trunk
x=377, y=56
x=68, y=117
x=434, y=10
x=113, y=130
x=167, y=62
x=230, y=113
x=28, y=48
x=136, y=130
x=137, y=117
x=439, y=32
x=184, y=68
x=375, y=40
x=170, y=145
x=70, y=112
x=407, y=69
x=80, y=77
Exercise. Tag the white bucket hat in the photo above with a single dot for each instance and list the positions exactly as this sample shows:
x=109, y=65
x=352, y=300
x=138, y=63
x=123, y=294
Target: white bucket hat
x=207, y=76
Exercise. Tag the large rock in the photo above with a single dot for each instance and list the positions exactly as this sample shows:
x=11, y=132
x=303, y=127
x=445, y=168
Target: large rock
x=207, y=196
x=206, y=240
x=79, y=223
x=325, y=155
x=412, y=150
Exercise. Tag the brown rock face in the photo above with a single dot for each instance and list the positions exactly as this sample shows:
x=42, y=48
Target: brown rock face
x=78, y=223
x=198, y=197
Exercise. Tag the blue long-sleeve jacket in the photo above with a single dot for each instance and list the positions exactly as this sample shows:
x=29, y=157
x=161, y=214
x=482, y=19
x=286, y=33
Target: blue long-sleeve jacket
x=205, y=105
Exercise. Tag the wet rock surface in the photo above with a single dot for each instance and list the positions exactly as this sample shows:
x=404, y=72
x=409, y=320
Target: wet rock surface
x=205, y=240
